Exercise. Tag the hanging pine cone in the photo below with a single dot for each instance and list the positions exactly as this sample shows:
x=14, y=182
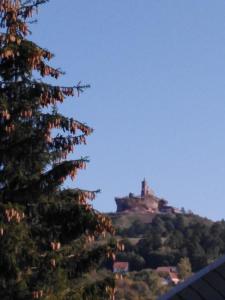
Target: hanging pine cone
x=1, y=231
x=53, y=262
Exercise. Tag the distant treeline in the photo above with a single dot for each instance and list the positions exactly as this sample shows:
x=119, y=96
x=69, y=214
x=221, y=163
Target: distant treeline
x=169, y=238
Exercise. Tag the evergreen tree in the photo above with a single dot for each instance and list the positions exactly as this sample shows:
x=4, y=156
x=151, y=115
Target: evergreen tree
x=184, y=268
x=46, y=231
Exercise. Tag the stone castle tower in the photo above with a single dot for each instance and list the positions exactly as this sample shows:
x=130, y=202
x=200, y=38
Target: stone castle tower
x=145, y=190
x=145, y=202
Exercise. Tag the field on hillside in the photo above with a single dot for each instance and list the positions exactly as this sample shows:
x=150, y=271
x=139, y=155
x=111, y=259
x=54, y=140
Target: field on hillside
x=124, y=220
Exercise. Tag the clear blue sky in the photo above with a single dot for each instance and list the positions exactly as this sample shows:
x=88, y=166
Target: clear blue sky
x=157, y=102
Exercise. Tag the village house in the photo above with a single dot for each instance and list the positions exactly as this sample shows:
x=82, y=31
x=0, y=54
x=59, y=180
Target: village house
x=120, y=267
x=169, y=275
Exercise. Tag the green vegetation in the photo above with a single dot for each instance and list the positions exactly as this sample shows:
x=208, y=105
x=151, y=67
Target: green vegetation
x=143, y=285
x=186, y=241
x=46, y=231
x=52, y=241
x=169, y=238
x=184, y=268
x=124, y=220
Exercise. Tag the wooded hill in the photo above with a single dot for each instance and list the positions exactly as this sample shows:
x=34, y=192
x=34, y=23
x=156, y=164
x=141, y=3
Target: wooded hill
x=168, y=238
x=164, y=241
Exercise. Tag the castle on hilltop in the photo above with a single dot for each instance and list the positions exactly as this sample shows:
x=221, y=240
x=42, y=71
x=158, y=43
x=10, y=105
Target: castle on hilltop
x=145, y=202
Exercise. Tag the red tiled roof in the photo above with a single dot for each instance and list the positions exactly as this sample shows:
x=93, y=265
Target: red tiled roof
x=120, y=265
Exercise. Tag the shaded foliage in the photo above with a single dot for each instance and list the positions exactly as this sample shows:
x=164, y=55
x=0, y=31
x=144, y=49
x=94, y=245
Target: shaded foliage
x=46, y=231
x=169, y=238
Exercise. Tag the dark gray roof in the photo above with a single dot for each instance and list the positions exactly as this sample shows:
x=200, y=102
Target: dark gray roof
x=207, y=284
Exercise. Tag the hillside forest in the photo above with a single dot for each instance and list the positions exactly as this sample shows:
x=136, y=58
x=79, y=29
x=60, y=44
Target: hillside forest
x=166, y=241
